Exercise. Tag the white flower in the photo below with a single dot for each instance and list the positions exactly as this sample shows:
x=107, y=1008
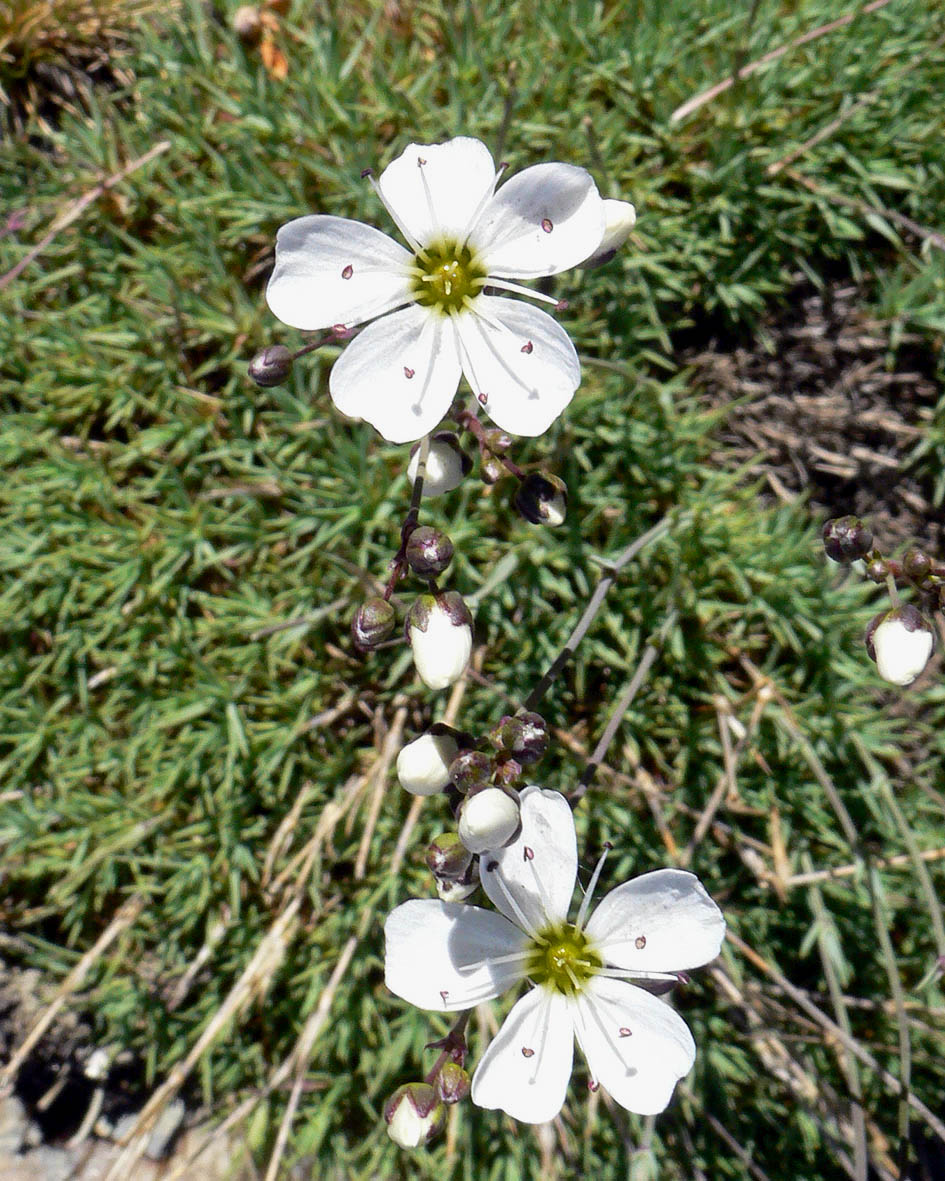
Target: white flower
x=901, y=642
x=436, y=322
x=452, y=957
x=440, y=633
x=423, y=766
x=488, y=819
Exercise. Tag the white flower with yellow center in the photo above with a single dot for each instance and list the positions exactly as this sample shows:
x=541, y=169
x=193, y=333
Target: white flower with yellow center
x=436, y=320
x=449, y=956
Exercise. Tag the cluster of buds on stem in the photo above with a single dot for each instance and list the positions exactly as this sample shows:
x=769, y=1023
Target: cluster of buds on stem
x=438, y=624
x=482, y=779
x=899, y=639
x=416, y=1112
x=540, y=497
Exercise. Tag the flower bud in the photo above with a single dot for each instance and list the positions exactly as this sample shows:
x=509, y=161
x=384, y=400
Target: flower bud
x=448, y=858
x=446, y=464
x=619, y=219
x=491, y=470
x=489, y=819
x=524, y=737
x=373, y=623
x=414, y=1115
x=846, y=539
x=450, y=891
x=423, y=766
x=272, y=366
x=877, y=570
x=901, y=642
x=916, y=564
x=247, y=24
x=429, y=551
x=542, y=499
x=470, y=770
x=439, y=628
x=496, y=440
x=452, y=1083
x=507, y=772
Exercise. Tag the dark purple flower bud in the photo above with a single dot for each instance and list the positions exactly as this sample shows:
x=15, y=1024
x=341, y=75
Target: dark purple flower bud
x=524, y=737
x=542, y=499
x=470, y=770
x=373, y=623
x=447, y=857
x=846, y=539
x=272, y=366
x=429, y=551
x=916, y=564
x=452, y=1083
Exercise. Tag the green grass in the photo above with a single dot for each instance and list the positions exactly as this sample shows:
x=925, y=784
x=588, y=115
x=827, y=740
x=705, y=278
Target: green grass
x=160, y=516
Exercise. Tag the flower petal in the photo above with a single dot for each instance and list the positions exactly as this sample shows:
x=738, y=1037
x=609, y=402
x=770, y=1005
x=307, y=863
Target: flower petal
x=525, y=1070
x=435, y=190
x=663, y=921
x=636, y=1046
x=544, y=220
x=330, y=270
x=438, y=955
x=400, y=374
x=519, y=362
x=533, y=878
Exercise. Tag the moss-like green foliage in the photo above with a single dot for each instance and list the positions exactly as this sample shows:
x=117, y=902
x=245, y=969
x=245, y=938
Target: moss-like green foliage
x=182, y=716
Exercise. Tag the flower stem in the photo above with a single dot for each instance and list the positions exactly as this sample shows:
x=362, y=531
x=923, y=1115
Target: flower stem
x=398, y=565
x=650, y=653
x=590, y=612
x=465, y=418
x=452, y=1047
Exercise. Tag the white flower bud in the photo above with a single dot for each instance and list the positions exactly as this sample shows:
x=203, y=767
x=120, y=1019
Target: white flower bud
x=440, y=633
x=489, y=819
x=414, y=1115
x=900, y=641
x=455, y=891
x=619, y=219
x=446, y=465
x=423, y=766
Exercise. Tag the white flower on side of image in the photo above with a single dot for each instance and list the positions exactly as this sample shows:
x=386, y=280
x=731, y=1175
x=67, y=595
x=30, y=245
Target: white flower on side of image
x=451, y=957
x=433, y=320
x=439, y=629
x=901, y=642
x=619, y=219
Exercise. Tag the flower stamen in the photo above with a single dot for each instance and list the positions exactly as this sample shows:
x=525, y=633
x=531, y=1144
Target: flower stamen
x=408, y=237
x=490, y=867
x=518, y=289
x=591, y=886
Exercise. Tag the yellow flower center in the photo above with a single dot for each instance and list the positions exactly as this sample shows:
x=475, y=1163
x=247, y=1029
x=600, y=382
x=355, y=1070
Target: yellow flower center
x=446, y=276
x=563, y=959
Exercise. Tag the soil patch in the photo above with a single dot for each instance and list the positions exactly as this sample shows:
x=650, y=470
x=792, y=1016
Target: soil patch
x=827, y=405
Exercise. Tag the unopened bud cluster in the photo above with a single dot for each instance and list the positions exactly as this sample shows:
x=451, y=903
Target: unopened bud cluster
x=438, y=625
x=900, y=639
x=483, y=785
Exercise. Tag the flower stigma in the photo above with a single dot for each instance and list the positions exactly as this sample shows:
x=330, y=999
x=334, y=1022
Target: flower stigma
x=563, y=959
x=447, y=275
